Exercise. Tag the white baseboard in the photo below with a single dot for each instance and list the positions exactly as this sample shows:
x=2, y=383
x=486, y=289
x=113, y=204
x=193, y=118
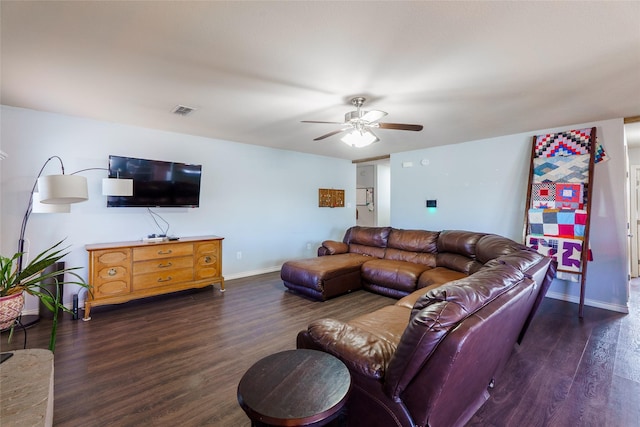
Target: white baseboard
x=226, y=277
x=252, y=273
x=591, y=303
x=554, y=295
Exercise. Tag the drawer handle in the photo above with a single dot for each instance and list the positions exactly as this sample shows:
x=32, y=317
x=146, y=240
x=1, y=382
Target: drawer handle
x=207, y=259
x=167, y=252
x=169, y=264
x=112, y=272
x=164, y=280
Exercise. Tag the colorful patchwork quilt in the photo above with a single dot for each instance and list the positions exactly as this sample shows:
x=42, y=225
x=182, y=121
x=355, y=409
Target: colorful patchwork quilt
x=571, y=169
x=569, y=143
x=543, y=195
x=549, y=195
x=566, y=223
x=601, y=156
x=569, y=196
x=567, y=252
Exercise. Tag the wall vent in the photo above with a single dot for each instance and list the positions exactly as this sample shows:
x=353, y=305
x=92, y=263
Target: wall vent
x=183, y=110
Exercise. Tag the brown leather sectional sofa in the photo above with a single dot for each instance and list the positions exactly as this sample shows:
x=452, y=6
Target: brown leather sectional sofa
x=431, y=358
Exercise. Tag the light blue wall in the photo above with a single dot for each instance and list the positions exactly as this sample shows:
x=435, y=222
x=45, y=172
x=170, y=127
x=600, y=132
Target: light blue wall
x=481, y=186
x=478, y=186
x=263, y=201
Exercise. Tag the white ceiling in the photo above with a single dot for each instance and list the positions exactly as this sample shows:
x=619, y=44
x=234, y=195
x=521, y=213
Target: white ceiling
x=254, y=70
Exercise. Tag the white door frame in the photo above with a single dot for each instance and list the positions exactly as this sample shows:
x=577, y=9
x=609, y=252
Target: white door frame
x=634, y=217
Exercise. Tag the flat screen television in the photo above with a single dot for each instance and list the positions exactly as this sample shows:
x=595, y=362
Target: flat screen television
x=156, y=183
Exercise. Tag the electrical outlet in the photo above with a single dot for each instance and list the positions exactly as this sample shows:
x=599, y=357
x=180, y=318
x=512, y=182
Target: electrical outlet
x=308, y=246
x=238, y=255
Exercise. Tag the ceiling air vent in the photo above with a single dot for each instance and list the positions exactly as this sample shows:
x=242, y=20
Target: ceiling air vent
x=183, y=110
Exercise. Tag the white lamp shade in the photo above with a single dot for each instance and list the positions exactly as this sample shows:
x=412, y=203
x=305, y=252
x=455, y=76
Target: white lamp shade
x=37, y=207
x=117, y=187
x=359, y=139
x=62, y=189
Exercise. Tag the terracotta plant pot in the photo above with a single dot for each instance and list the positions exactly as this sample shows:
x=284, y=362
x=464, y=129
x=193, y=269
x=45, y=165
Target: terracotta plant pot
x=10, y=308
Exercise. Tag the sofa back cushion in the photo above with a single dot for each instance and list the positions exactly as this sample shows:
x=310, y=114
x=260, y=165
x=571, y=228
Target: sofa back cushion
x=370, y=241
x=439, y=311
x=413, y=257
x=416, y=246
x=459, y=242
x=458, y=262
x=363, y=351
x=368, y=236
x=493, y=246
x=413, y=240
x=522, y=260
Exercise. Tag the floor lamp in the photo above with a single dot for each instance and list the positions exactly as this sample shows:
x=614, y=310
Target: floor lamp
x=56, y=193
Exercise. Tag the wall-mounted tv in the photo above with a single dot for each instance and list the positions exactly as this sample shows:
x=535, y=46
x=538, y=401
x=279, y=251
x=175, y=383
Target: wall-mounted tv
x=156, y=183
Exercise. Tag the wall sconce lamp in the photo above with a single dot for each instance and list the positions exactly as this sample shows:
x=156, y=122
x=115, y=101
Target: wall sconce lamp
x=56, y=193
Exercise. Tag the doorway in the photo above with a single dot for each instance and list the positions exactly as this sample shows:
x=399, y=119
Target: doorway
x=373, y=193
x=632, y=137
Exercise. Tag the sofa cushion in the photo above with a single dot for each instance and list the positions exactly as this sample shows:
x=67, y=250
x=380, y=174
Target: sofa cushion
x=414, y=257
x=493, y=246
x=314, y=271
x=436, y=313
x=413, y=240
x=438, y=276
x=388, y=322
x=522, y=260
x=333, y=248
x=457, y=262
x=371, y=251
x=368, y=236
x=409, y=301
x=458, y=242
x=400, y=275
x=472, y=292
x=364, y=344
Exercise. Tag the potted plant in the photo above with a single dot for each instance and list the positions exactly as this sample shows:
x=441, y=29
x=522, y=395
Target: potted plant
x=15, y=282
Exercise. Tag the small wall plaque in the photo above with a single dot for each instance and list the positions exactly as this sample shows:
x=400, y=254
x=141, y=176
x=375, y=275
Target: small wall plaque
x=330, y=198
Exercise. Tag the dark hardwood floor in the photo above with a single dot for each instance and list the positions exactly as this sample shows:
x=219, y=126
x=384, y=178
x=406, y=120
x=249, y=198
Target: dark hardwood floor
x=177, y=359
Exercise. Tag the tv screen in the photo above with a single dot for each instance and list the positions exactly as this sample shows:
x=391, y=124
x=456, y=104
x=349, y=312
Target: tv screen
x=156, y=183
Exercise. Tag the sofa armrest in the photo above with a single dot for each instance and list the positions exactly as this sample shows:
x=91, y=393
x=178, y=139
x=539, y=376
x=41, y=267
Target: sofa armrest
x=331, y=247
x=360, y=350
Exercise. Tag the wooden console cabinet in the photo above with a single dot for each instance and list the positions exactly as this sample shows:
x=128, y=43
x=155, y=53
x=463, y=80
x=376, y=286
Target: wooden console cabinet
x=123, y=271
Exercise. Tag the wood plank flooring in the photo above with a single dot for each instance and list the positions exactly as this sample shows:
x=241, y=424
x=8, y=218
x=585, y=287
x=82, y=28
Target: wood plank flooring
x=177, y=359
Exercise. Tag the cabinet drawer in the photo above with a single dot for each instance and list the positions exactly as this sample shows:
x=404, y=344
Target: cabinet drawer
x=161, y=251
x=207, y=266
x=162, y=266
x=208, y=260
x=112, y=257
x=110, y=288
x=162, y=279
x=208, y=248
x=111, y=272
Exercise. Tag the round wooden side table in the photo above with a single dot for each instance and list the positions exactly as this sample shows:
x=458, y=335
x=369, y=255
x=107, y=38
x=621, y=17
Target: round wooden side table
x=295, y=388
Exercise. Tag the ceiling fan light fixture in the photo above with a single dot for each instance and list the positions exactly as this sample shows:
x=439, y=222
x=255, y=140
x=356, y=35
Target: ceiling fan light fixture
x=359, y=139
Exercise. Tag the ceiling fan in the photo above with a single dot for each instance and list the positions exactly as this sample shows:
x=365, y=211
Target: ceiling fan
x=360, y=123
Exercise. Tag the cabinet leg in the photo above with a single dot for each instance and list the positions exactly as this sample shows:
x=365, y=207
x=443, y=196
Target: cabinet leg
x=222, y=289
x=87, y=310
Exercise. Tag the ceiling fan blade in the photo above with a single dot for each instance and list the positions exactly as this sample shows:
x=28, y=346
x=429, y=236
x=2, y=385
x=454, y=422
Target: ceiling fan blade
x=316, y=121
x=373, y=115
x=327, y=135
x=400, y=126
